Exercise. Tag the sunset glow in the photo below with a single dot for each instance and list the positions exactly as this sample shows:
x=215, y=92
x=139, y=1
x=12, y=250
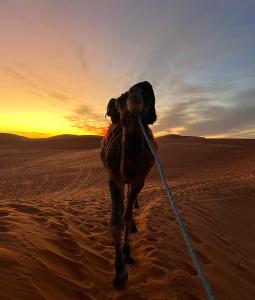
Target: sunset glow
x=61, y=61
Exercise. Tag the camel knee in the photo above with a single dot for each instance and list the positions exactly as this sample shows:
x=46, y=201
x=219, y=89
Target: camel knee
x=127, y=219
x=115, y=229
x=129, y=225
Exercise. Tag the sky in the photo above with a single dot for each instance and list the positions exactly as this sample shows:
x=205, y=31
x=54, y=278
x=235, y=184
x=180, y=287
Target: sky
x=61, y=61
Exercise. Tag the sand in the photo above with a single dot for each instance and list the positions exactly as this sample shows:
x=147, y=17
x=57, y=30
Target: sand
x=54, y=236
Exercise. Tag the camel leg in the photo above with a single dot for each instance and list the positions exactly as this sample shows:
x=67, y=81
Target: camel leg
x=133, y=191
x=116, y=191
x=122, y=208
x=133, y=228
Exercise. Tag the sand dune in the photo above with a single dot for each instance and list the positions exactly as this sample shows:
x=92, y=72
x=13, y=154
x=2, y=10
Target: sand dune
x=55, y=241
x=59, y=142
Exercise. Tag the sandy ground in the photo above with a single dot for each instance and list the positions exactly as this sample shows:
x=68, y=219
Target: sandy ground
x=55, y=241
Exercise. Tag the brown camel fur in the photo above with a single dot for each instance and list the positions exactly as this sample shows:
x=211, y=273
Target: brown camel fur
x=128, y=160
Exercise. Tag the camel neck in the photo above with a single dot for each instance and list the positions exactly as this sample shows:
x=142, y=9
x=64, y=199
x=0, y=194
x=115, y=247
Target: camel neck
x=132, y=147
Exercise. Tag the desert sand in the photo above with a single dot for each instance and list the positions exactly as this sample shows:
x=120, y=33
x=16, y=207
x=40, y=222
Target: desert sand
x=55, y=241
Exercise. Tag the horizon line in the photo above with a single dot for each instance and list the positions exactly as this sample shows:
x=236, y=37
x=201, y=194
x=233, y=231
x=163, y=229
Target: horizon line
x=97, y=135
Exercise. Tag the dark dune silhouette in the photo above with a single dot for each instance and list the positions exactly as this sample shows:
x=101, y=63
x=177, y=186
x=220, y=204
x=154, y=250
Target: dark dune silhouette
x=11, y=137
x=177, y=136
x=60, y=142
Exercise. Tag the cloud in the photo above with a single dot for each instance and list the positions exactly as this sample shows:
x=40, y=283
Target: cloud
x=245, y=96
x=86, y=118
x=198, y=55
x=84, y=109
x=18, y=75
x=207, y=117
x=224, y=121
x=60, y=95
x=81, y=57
x=38, y=87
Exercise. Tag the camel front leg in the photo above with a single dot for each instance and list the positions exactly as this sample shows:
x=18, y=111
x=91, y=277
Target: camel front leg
x=117, y=199
x=134, y=189
x=133, y=228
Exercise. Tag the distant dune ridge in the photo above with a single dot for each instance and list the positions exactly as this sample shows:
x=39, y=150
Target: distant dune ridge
x=54, y=210
x=78, y=142
x=60, y=142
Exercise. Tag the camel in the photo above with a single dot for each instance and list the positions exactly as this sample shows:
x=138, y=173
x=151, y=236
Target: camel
x=128, y=160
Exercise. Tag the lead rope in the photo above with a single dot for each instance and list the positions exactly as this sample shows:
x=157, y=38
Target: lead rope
x=193, y=254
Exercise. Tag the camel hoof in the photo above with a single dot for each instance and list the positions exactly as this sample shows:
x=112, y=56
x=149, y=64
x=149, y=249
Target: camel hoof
x=119, y=281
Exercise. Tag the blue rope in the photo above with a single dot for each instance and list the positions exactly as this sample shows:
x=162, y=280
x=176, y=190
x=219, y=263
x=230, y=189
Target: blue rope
x=184, y=232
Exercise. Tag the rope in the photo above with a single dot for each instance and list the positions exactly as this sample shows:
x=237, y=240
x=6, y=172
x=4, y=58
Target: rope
x=193, y=254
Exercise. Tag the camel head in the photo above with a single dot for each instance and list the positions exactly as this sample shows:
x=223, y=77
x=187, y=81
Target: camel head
x=139, y=100
x=130, y=104
x=135, y=101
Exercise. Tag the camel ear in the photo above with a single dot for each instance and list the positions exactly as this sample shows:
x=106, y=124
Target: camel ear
x=149, y=115
x=112, y=111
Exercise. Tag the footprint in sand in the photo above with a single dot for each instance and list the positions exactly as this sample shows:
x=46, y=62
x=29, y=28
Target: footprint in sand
x=4, y=213
x=189, y=296
x=57, y=227
x=4, y=229
x=40, y=219
x=64, y=244
x=203, y=258
x=157, y=272
x=25, y=208
x=5, y=226
x=196, y=239
x=93, y=238
x=152, y=239
x=179, y=252
x=225, y=241
x=86, y=228
x=99, y=247
x=228, y=244
x=60, y=264
x=242, y=269
x=190, y=269
x=149, y=250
